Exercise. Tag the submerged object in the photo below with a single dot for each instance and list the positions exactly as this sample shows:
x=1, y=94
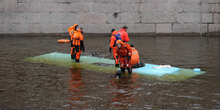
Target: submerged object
x=196, y=69
x=63, y=40
x=152, y=71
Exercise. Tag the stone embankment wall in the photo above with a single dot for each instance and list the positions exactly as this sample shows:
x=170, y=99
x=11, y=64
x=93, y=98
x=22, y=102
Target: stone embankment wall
x=100, y=16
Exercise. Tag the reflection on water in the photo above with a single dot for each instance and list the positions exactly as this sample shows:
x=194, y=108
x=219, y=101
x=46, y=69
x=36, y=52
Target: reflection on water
x=124, y=91
x=75, y=85
x=76, y=80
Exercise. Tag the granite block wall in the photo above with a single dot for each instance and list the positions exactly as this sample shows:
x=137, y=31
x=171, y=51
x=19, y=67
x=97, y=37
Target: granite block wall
x=100, y=16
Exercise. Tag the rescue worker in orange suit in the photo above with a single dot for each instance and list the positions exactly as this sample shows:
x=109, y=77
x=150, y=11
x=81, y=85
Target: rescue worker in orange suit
x=135, y=56
x=76, y=40
x=123, y=33
x=113, y=47
x=124, y=52
x=135, y=59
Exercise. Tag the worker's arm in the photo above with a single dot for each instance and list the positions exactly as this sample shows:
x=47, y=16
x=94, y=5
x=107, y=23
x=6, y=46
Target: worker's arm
x=70, y=30
x=71, y=34
x=82, y=47
x=112, y=43
x=126, y=38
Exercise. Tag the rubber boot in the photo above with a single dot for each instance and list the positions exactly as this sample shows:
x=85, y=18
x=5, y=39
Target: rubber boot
x=129, y=71
x=116, y=65
x=123, y=70
x=118, y=75
x=77, y=61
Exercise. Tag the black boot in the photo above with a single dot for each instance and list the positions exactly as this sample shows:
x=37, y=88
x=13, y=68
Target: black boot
x=129, y=71
x=123, y=70
x=77, y=61
x=118, y=75
x=116, y=65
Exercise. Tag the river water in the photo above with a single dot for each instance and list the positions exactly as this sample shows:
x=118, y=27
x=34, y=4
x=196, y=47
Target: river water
x=35, y=86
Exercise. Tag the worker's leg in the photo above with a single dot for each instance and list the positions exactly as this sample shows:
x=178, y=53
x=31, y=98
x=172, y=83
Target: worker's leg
x=72, y=52
x=122, y=64
x=78, y=52
x=115, y=56
x=128, y=65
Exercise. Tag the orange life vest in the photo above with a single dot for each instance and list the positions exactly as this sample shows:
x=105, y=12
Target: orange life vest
x=76, y=38
x=75, y=35
x=135, y=57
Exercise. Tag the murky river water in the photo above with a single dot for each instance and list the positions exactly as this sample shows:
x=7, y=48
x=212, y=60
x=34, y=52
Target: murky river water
x=34, y=86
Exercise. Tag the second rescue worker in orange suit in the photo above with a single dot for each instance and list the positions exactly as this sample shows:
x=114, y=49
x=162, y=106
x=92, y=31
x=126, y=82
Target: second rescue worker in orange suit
x=76, y=40
x=124, y=52
x=123, y=33
x=113, y=47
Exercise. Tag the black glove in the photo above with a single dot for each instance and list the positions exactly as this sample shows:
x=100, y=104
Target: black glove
x=82, y=46
x=71, y=43
x=83, y=49
x=110, y=50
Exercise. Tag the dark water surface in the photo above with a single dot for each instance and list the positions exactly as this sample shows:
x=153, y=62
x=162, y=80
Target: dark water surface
x=30, y=86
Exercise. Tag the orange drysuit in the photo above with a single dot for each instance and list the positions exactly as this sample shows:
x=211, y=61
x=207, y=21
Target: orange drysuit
x=135, y=57
x=124, y=35
x=124, y=53
x=113, y=46
x=77, y=44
